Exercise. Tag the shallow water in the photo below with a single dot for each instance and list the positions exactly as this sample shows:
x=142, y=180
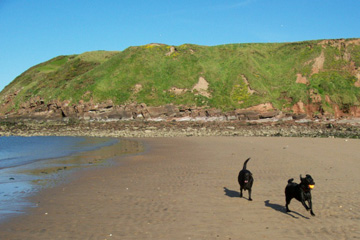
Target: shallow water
x=17, y=151
x=27, y=164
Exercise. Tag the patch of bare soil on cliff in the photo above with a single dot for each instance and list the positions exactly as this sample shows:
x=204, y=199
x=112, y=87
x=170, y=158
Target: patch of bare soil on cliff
x=301, y=79
x=202, y=87
x=318, y=63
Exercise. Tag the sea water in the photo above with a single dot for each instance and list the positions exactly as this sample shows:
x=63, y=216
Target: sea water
x=19, y=154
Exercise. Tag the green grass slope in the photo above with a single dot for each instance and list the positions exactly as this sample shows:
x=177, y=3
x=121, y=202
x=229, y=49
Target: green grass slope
x=146, y=74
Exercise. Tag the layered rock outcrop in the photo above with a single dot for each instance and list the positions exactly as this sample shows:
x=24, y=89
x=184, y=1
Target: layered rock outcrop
x=36, y=108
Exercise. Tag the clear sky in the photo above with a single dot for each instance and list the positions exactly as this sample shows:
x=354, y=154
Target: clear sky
x=34, y=31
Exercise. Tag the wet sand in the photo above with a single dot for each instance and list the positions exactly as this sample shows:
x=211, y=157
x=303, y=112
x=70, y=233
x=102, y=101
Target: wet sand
x=186, y=188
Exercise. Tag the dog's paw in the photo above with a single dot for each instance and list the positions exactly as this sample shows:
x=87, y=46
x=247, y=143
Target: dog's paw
x=250, y=199
x=312, y=213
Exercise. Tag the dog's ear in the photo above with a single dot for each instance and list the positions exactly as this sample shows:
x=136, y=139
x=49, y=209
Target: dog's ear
x=302, y=180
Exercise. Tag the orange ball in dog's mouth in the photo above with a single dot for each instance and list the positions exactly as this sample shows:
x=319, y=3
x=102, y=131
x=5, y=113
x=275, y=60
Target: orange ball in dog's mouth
x=311, y=186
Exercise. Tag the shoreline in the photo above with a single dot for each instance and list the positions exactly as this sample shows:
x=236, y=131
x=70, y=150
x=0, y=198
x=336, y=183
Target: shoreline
x=140, y=129
x=186, y=188
x=25, y=181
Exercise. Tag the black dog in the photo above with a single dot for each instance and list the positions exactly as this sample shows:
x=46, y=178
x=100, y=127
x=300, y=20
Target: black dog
x=301, y=192
x=245, y=180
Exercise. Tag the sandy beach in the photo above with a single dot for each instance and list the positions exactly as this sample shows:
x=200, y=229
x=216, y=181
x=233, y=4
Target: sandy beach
x=186, y=188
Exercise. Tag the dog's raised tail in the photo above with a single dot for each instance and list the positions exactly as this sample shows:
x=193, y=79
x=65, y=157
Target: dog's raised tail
x=290, y=180
x=244, y=167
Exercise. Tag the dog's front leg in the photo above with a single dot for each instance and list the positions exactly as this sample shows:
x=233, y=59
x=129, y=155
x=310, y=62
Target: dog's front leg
x=304, y=204
x=241, y=190
x=303, y=199
x=310, y=205
x=250, y=199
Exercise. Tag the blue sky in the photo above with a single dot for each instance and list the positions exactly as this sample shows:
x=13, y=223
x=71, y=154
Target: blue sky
x=34, y=31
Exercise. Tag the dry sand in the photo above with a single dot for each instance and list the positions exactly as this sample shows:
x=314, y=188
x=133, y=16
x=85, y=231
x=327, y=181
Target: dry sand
x=186, y=188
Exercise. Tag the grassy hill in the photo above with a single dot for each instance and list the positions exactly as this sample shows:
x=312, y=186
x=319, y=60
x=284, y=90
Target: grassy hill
x=237, y=76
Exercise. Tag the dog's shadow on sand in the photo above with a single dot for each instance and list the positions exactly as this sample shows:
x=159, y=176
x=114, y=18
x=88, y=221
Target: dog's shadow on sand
x=231, y=193
x=276, y=207
x=282, y=209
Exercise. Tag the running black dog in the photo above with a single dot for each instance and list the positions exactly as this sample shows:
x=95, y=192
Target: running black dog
x=301, y=192
x=245, y=180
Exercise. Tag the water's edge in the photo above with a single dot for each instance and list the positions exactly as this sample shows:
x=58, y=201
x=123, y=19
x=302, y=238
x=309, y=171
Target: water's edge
x=20, y=183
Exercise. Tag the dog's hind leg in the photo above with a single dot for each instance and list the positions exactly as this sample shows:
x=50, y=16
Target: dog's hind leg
x=287, y=204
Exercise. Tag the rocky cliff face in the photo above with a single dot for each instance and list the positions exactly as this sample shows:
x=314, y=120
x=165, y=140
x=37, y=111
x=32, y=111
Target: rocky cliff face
x=36, y=108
